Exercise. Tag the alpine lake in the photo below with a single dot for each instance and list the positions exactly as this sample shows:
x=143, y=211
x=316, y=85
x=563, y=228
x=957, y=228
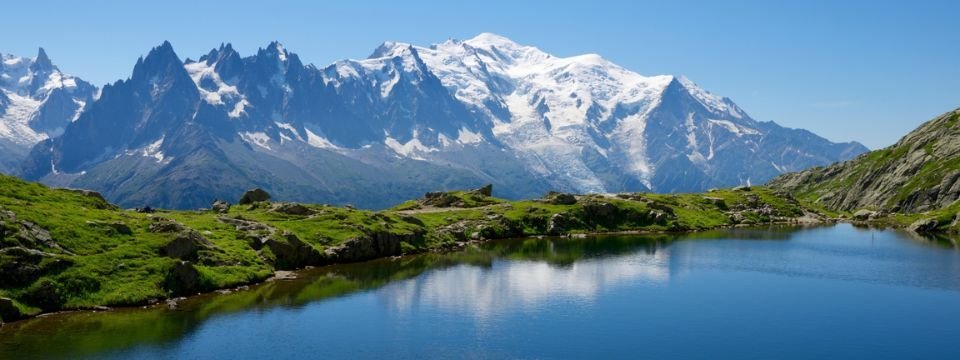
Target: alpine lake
x=835, y=291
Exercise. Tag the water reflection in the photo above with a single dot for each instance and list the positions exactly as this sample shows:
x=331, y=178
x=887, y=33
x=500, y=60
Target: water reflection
x=510, y=276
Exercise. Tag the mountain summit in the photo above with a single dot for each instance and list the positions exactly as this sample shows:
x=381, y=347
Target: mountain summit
x=37, y=101
x=409, y=119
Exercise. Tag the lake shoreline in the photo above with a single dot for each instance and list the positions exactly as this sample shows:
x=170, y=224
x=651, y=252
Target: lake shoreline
x=282, y=275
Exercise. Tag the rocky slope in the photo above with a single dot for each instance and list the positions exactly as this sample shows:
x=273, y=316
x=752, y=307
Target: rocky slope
x=407, y=120
x=70, y=249
x=37, y=101
x=919, y=173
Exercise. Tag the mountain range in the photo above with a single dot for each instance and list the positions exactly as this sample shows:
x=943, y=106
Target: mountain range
x=408, y=119
x=37, y=101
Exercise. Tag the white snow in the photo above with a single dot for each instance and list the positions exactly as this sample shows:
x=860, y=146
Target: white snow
x=412, y=149
x=737, y=130
x=465, y=136
x=239, y=108
x=153, y=150
x=80, y=106
x=574, y=94
x=15, y=121
x=221, y=91
x=318, y=141
x=260, y=139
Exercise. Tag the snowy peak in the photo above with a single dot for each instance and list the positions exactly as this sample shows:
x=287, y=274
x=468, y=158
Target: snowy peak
x=713, y=102
x=486, y=106
x=37, y=100
x=276, y=49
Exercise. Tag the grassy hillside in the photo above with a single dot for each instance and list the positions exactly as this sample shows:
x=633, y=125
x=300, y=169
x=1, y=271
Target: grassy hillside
x=68, y=249
x=920, y=173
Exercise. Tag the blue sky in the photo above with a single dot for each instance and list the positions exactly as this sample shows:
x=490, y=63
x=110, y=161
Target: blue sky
x=848, y=70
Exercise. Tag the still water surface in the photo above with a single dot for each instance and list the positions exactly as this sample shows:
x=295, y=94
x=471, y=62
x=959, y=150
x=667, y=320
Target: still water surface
x=828, y=292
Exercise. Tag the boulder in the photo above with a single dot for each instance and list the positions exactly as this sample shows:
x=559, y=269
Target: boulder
x=558, y=198
x=186, y=245
x=742, y=188
x=292, y=253
x=486, y=190
x=121, y=228
x=183, y=279
x=9, y=311
x=599, y=210
x=371, y=246
x=864, y=215
x=220, y=206
x=924, y=226
x=292, y=209
x=117, y=226
x=254, y=195
x=165, y=226
x=439, y=199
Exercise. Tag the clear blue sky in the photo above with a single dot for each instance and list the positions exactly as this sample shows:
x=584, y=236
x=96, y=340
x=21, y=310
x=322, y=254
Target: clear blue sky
x=868, y=71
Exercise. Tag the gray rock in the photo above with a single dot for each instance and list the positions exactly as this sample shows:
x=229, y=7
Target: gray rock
x=558, y=224
x=599, y=210
x=292, y=253
x=864, y=215
x=254, y=195
x=220, y=206
x=879, y=181
x=924, y=226
x=161, y=225
x=186, y=245
x=292, y=209
x=183, y=279
x=558, y=198
x=486, y=190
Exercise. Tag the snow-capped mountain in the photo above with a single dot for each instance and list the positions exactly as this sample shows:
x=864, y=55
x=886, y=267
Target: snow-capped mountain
x=410, y=119
x=37, y=101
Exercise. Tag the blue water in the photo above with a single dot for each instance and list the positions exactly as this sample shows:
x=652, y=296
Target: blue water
x=831, y=292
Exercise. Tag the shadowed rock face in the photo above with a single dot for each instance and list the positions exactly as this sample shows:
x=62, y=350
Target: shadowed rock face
x=252, y=196
x=921, y=172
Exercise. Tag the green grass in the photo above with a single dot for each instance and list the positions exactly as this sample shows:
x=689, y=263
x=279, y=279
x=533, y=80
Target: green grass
x=96, y=264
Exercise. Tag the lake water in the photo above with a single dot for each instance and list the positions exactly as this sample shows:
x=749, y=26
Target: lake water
x=827, y=292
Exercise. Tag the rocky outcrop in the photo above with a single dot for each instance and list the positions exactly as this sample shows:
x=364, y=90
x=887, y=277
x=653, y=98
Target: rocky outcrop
x=558, y=198
x=162, y=225
x=15, y=232
x=183, y=279
x=186, y=245
x=924, y=226
x=118, y=227
x=254, y=195
x=9, y=311
x=919, y=173
x=291, y=253
x=220, y=207
x=864, y=215
x=371, y=246
x=292, y=209
x=486, y=190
